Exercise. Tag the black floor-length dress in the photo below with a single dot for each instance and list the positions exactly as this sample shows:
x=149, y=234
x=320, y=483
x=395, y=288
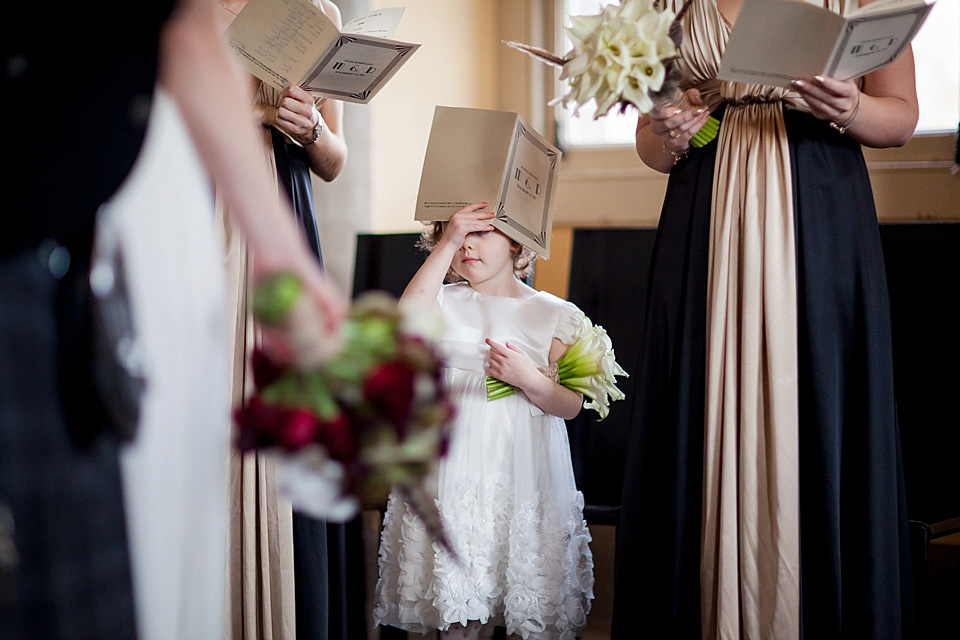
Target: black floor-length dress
x=842, y=549
x=805, y=476
x=855, y=577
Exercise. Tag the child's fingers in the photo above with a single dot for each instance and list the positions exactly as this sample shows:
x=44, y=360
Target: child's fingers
x=465, y=217
x=495, y=347
x=514, y=348
x=476, y=206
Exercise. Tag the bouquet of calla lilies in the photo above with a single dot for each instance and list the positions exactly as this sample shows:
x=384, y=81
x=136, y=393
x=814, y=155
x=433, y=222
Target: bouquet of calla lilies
x=625, y=55
x=349, y=423
x=589, y=367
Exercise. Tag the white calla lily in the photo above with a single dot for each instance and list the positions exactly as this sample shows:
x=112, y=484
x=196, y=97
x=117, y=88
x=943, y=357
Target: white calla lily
x=589, y=367
x=617, y=56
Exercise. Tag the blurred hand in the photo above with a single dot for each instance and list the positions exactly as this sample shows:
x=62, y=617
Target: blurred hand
x=312, y=333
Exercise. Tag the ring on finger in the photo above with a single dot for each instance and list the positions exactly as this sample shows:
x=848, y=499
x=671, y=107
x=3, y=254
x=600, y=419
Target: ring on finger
x=674, y=134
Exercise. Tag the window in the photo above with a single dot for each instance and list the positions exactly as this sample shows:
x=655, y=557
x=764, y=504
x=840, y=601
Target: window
x=937, y=52
x=936, y=49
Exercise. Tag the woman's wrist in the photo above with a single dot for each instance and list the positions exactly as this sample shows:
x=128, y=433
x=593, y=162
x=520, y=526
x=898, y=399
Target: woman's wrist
x=848, y=122
x=677, y=155
x=317, y=119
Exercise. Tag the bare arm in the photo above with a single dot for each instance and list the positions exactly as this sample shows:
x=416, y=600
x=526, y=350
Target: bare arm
x=329, y=153
x=884, y=114
x=297, y=117
x=425, y=284
x=888, y=109
x=196, y=68
x=513, y=366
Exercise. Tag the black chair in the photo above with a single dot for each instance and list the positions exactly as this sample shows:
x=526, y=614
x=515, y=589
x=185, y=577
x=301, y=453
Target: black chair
x=608, y=279
x=923, y=269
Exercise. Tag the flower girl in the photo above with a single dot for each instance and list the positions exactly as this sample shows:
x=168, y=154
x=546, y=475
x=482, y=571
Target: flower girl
x=506, y=489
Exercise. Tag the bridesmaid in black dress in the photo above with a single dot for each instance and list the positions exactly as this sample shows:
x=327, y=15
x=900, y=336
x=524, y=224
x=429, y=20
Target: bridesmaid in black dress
x=764, y=490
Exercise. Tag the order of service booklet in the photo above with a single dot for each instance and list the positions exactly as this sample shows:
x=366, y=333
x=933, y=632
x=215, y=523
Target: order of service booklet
x=481, y=155
x=776, y=41
x=286, y=42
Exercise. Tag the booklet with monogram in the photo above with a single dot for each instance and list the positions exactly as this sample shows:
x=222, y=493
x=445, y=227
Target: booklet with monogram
x=776, y=41
x=480, y=155
x=286, y=42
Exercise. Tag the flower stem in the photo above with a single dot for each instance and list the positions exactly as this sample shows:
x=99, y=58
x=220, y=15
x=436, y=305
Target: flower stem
x=707, y=133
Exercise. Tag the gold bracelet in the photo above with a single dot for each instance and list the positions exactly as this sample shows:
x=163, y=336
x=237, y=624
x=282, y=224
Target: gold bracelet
x=677, y=155
x=856, y=111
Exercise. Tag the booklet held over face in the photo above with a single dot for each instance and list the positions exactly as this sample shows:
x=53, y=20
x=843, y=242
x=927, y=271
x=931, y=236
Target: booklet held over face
x=482, y=155
x=776, y=41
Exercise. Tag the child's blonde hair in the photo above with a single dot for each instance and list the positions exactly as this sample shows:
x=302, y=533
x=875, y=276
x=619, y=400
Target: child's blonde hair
x=523, y=258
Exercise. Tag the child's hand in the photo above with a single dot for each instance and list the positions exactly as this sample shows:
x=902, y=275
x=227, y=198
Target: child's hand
x=510, y=364
x=468, y=220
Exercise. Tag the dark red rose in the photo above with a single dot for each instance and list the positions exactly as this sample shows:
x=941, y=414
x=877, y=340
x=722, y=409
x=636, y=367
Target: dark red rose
x=252, y=421
x=265, y=370
x=444, y=447
x=298, y=428
x=389, y=389
x=246, y=436
x=338, y=437
x=263, y=425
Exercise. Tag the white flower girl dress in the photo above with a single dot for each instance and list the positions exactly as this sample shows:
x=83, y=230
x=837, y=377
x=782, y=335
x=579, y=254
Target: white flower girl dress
x=506, y=492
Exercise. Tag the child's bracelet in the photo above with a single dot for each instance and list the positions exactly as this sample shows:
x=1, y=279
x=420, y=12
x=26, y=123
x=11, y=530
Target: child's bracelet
x=552, y=371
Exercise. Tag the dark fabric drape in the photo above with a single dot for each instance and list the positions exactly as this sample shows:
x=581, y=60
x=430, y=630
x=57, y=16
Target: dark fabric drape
x=293, y=172
x=327, y=557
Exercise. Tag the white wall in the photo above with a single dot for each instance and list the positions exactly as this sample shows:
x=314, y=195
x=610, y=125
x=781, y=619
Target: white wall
x=454, y=66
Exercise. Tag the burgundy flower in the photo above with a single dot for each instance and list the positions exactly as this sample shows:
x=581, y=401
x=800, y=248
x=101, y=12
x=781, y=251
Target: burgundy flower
x=338, y=437
x=444, y=448
x=250, y=419
x=264, y=425
x=265, y=370
x=299, y=428
x=390, y=389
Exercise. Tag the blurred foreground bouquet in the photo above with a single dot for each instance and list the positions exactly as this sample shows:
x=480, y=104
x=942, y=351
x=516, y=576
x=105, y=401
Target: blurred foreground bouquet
x=370, y=417
x=625, y=55
x=589, y=367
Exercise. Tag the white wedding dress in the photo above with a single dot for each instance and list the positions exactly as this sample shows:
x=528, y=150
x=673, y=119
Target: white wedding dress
x=506, y=492
x=175, y=471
